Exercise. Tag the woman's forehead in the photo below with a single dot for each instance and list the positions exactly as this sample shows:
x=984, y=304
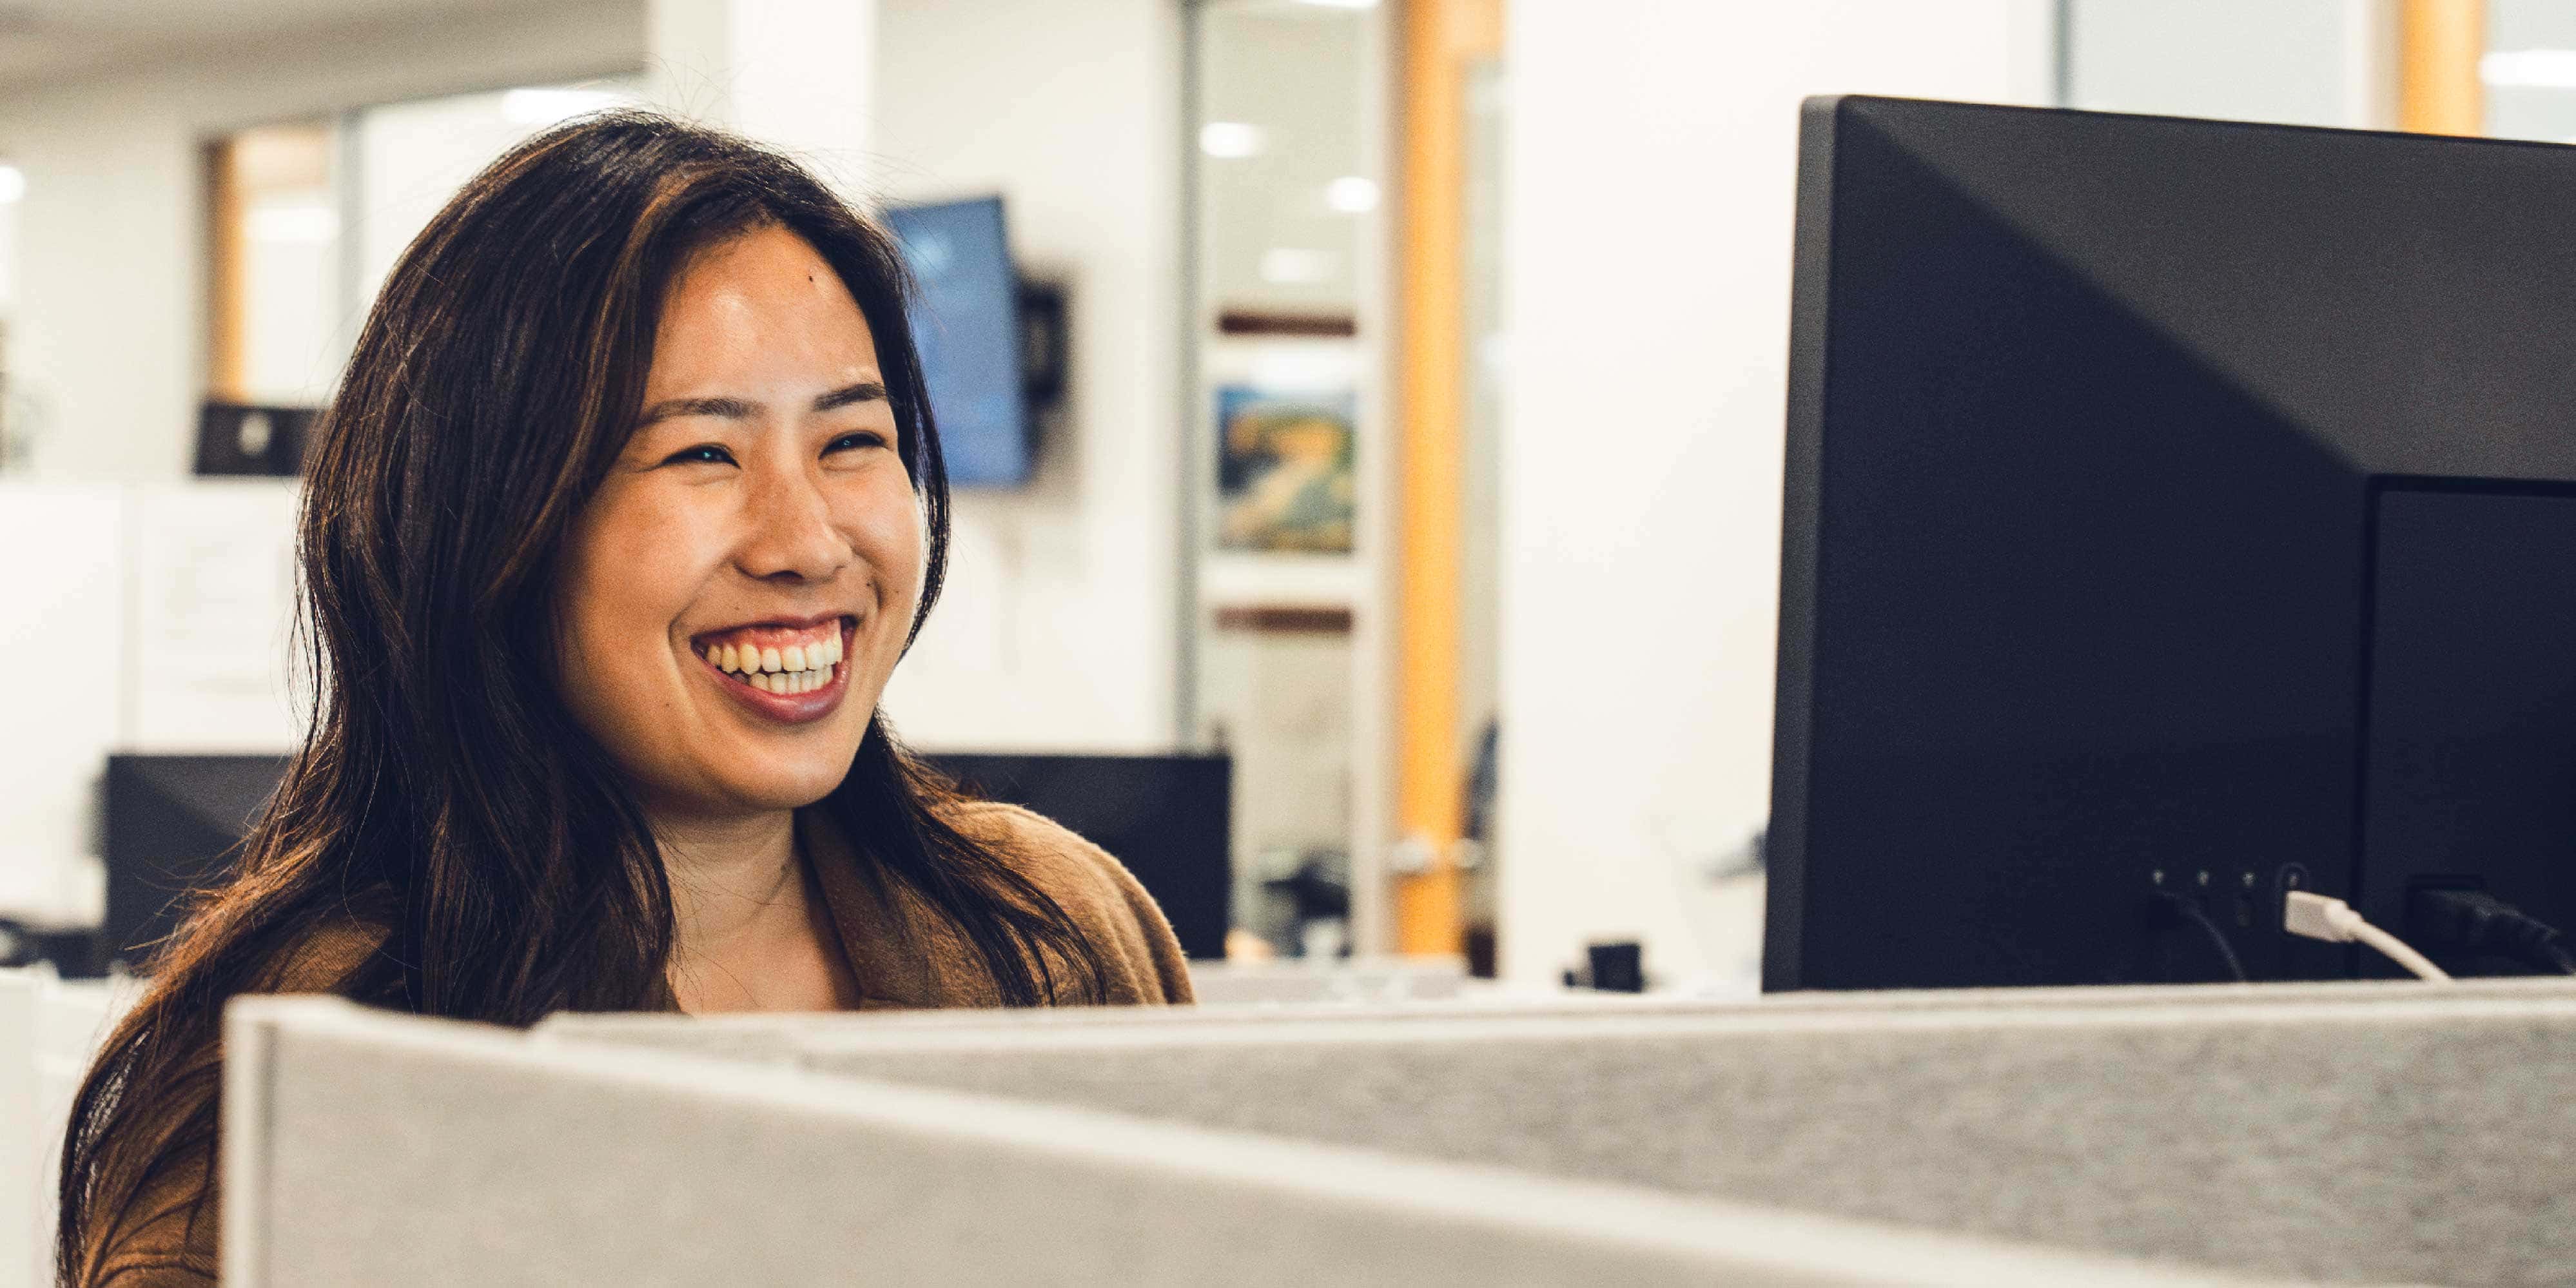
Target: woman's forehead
x=762, y=307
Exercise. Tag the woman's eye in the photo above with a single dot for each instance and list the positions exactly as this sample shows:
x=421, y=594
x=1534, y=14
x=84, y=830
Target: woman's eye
x=864, y=438
x=703, y=453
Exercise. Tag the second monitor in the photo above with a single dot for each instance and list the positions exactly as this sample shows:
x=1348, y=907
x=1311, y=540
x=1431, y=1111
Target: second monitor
x=2178, y=512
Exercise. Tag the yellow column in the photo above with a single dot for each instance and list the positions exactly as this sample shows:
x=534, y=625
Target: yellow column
x=2439, y=44
x=1440, y=40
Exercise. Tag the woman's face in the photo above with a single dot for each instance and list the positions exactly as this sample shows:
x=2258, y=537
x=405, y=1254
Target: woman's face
x=738, y=589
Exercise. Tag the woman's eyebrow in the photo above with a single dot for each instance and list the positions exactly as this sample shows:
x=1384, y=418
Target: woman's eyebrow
x=727, y=408
x=864, y=391
x=746, y=409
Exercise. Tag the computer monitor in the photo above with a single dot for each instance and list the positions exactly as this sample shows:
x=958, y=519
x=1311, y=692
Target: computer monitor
x=172, y=823
x=236, y=438
x=2171, y=505
x=968, y=330
x=1167, y=817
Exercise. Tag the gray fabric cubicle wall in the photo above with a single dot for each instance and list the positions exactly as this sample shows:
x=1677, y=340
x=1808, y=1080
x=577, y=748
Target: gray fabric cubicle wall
x=2337, y=1132
x=362, y=1147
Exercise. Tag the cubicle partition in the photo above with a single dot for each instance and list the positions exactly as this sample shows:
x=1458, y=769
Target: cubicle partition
x=2341, y=1132
x=48, y=1029
x=21, y=1162
x=1363, y=980
x=362, y=1147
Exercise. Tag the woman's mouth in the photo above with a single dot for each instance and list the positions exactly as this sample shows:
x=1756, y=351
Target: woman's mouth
x=791, y=674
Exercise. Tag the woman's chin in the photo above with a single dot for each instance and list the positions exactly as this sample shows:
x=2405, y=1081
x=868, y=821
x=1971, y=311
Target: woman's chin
x=739, y=790
x=794, y=790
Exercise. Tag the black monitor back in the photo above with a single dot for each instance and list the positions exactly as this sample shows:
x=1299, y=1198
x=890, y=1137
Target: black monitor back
x=1167, y=817
x=172, y=823
x=2171, y=505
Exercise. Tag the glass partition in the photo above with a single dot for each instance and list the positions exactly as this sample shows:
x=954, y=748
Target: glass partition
x=1287, y=202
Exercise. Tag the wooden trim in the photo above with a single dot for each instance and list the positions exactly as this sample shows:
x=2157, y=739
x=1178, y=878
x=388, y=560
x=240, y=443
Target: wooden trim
x=1284, y=619
x=1440, y=41
x=2439, y=45
x=1251, y=322
x=227, y=276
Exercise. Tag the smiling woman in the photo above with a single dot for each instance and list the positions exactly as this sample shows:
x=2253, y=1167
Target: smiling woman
x=626, y=509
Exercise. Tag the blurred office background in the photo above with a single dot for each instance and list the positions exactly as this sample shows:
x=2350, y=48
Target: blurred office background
x=1416, y=442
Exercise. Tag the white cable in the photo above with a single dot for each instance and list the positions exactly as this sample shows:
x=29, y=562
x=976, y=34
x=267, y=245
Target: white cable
x=2315, y=916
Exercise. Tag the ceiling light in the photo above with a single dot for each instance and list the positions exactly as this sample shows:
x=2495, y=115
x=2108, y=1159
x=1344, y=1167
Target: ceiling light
x=2530, y=68
x=13, y=184
x=1351, y=194
x=1231, y=139
x=541, y=107
x=1295, y=265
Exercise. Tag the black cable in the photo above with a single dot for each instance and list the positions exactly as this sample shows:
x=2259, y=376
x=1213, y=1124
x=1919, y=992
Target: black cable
x=2475, y=923
x=2192, y=912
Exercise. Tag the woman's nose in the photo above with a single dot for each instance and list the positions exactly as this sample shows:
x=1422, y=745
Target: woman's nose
x=790, y=530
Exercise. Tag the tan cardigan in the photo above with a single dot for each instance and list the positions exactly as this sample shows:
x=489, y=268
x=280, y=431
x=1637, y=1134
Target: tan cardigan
x=902, y=954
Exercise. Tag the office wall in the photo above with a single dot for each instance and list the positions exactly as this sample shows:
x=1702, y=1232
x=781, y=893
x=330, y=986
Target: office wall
x=110, y=294
x=1650, y=168
x=1058, y=630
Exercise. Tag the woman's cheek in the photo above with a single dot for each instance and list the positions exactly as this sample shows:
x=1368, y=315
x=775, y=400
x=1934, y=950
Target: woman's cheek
x=894, y=540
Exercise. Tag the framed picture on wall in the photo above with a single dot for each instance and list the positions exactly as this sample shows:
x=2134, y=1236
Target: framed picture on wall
x=1284, y=470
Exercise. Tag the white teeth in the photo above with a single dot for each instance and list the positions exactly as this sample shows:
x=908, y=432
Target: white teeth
x=794, y=668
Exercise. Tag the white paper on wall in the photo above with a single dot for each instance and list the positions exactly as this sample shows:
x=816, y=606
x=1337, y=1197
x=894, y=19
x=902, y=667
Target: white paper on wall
x=211, y=601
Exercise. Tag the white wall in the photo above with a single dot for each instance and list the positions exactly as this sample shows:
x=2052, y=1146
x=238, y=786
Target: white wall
x=62, y=593
x=109, y=333
x=1650, y=168
x=1059, y=629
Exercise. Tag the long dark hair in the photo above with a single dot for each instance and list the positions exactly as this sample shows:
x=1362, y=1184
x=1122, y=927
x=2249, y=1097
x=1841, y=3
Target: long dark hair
x=445, y=809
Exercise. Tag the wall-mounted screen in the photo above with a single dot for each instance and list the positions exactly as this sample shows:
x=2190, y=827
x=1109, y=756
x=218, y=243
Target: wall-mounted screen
x=967, y=326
